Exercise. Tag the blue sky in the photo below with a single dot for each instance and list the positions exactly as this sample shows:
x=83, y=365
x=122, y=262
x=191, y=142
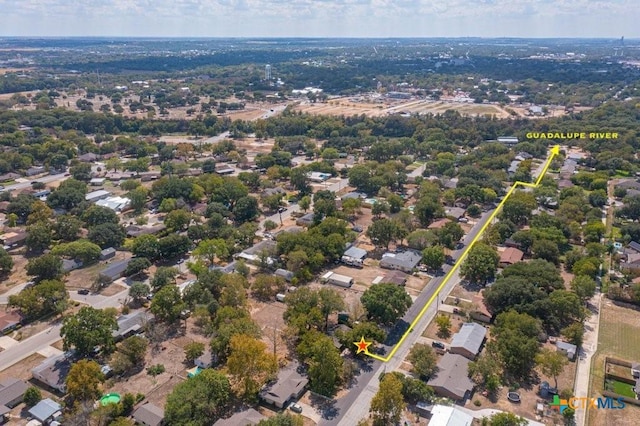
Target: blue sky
x=321, y=18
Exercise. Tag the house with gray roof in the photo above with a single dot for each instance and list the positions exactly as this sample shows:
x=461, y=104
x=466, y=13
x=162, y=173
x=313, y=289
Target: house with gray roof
x=290, y=385
x=114, y=270
x=53, y=372
x=149, y=415
x=306, y=220
x=45, y=410
x=248, y=417
x=107, y=253
x=452, y=379
x=283, y=273
x=405, y=261
x=131, y=324
x=11, y=392
x=468, y=341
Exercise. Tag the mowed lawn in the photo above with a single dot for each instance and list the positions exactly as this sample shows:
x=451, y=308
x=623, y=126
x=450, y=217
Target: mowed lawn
x=618, y=337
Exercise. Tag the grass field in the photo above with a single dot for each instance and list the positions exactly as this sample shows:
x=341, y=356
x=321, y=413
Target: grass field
x=621, y=388
x=619, y=336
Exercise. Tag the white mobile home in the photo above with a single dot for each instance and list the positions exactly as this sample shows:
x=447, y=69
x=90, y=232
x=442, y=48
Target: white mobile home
x=337, y=279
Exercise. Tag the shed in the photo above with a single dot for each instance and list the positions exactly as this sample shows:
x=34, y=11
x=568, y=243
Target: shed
x=568, y=349
x=107, y=253
x=149, y=415
x=337, y=279
x=45, y=410
x=468, y=341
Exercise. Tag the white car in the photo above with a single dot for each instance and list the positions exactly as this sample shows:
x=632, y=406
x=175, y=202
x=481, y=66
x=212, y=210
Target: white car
x=296, y=408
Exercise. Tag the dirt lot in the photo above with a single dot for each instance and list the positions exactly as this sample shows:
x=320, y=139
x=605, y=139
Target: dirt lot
x=619, y=336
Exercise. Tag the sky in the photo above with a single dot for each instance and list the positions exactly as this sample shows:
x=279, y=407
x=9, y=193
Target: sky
x=321, y=18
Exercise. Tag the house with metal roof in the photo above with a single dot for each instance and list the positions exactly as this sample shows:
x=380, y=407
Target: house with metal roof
x=290, y=385
x=149, y=415
x=131, y=324
x=95, y=196
x=45, y=410
x=114, y=270
x=468, y=341
x=107, y=253
x=405, y=261
x=446, y=415
x=283, y=273
x=452, y=379
x=243, y=418
x=568, y=349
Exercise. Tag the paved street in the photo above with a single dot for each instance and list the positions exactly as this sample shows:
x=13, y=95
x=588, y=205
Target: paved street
x=38, y=342
x=354, y=406
x=4, y=297
x=27, y=183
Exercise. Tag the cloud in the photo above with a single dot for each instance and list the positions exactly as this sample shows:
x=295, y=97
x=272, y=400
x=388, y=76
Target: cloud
x=518, y=18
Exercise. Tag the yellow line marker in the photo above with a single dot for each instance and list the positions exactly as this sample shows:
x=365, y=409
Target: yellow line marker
x=555, y=150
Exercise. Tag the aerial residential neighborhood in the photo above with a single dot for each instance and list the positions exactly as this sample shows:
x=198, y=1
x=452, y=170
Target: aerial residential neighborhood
x=284, y=242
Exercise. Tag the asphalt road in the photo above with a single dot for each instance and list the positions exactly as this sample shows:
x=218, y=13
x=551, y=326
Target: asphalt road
x=354, y=406
x=33, y=344
x=45, y=179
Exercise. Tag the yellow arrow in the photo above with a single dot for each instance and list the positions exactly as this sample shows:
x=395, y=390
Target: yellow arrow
x=555, y=150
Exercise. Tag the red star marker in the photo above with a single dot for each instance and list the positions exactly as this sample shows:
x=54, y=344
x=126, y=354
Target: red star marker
x=363, y=346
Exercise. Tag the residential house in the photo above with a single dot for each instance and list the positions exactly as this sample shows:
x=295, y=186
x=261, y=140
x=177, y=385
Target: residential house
x=513, y=168
x=114, y=270
x=273, y=191
x=95, y=196
x=480, y=311
x=354, y=256
x=318, y=177
x=632, y=247
x=149, y=176
x=137, y=230
x=290, y=385
x=468, y=341
x=97, y=181
x=9, y=176
x=116, y=204
x=14, y=238
x=349, y=195
x=306, y=220
x=89, y=157
x=53, y=372
x=439, y=223
x=567, y=348
x=255, y=253
x=69, y=265
x=449, y=415
x=11, y=392
x=632, y=262
x=452, y=379
x=248, y=417
x=36, y=170
x=405, y=261
x=107, y=253
x=455, y=212
x=395, y=277
x=509, y=256
x=131, y=324
x=224, y=169
x=46, y=411
x=9, y=321
x=149, y=415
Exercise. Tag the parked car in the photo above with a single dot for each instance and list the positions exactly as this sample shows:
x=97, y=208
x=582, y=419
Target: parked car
x=437, y=345
x=83, y=291
x=296, y=408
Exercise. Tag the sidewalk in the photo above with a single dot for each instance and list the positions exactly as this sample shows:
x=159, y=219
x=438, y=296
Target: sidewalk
x=589, y=347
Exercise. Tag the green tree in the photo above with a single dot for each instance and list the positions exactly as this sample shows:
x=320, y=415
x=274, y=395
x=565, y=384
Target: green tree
x=265, y=287
x=305, y=203
x=516, y=342
x=138, y=291
x=384, y=231
x=136, y=266
x=547, y=250
x=146, y=246
x=134, y=348
x=369, y=330
x=444, y=325
x=433, y=257
x=486, y=371
x=193, y=350
x=423, y=361
x=230, y=322
x=450, y=234
x=178, y=220
x=283, y=419
x=83, y=250
x=39, y=237
x=212, y=249
x=198, y=401
x=107, y=235
x=84, y=380
x=584, y=287
x=574, y=333
x=427, y=210
x=49, y=296
x=506, y=419
x=138, y=197
x=164, y=276
x=6, y=261
x=88, y=329
x=551, y=363
x=32, y=396
x=518, y=207
x=45, y=267
x=481, y=263
x=325, y=363
x=167, y=304
x=97, y=215
x=81, y=172
x=385, y=303
x=388, y=403
x=250, y=364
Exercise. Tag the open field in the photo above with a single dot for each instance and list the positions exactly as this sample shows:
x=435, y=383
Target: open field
x=619, y=337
